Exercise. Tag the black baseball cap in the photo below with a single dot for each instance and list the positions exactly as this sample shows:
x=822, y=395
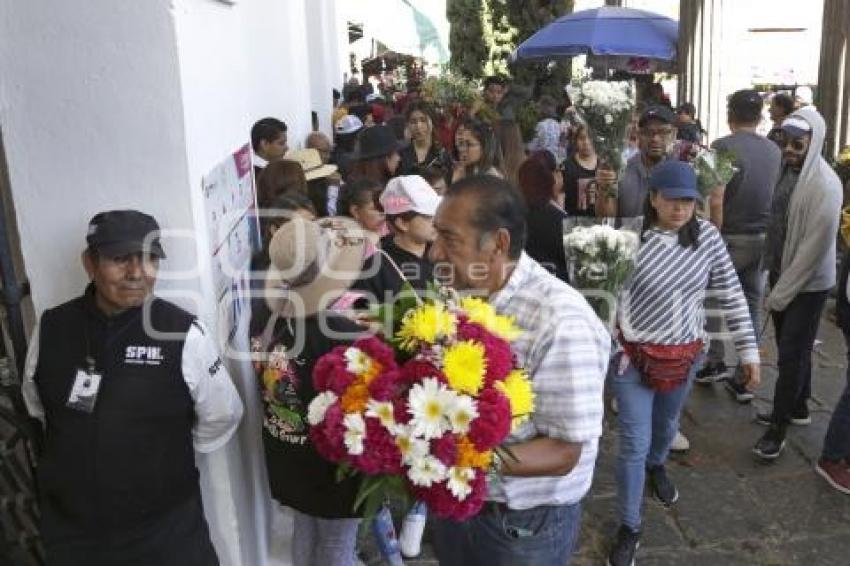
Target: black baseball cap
x=687, y=108
x=746, y=100
x=117, y=233
x=657, y=112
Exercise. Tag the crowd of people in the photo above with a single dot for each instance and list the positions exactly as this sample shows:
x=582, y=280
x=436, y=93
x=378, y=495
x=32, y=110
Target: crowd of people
x=406, y=193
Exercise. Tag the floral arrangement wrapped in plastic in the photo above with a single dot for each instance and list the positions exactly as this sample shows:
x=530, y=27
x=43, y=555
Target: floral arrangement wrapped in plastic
x=421, y=413
x=713, y=168
x=600, y=259
x=606, y=107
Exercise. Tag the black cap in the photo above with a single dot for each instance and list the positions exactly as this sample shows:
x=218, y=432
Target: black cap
x=657, y=112
x=120, y=232
x=687, y=108
x=745, y=100
x=377, y=141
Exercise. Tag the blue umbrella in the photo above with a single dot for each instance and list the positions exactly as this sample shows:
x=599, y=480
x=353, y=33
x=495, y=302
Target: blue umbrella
x=604, y=31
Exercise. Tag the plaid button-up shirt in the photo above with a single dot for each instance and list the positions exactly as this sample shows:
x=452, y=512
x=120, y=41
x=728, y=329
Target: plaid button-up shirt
x=565, y=350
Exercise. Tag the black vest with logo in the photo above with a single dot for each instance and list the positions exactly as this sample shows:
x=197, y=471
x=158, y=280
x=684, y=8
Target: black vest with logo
x=131, y=458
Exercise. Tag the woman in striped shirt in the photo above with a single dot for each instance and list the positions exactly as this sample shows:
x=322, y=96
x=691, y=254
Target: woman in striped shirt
x=661, y=320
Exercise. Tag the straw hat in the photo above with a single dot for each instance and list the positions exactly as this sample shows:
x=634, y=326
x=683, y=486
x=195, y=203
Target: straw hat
x=313, y=263
x=311, y=163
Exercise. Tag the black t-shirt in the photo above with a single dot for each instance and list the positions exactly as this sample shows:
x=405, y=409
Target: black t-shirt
x=298, y=476
x=578, y=201
x=691, y=132
x=437, y=157
x=545, y=242
x=381, y=279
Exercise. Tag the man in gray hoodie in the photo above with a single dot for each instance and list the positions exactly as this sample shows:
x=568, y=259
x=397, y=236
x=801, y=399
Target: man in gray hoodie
x=800, y=259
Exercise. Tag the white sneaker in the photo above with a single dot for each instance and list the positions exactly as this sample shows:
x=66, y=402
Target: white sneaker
x=410, y=537
x=680, y=443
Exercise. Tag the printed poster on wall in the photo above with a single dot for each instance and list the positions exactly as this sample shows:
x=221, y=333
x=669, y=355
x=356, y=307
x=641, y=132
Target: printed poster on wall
x=230, y=205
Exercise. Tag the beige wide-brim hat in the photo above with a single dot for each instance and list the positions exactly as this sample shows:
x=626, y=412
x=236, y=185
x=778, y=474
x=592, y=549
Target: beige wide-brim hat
x=313, y=263
x=311, y=163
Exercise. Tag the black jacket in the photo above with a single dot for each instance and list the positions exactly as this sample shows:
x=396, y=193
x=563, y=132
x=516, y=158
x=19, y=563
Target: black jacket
x=131, y=459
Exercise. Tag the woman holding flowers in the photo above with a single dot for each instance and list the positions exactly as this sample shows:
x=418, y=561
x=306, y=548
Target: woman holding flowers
x=661, y=322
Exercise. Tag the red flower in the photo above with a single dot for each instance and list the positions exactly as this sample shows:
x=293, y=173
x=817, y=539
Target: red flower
x=387, y=386
x=378, y=350
x=330, y=372
x=417, y=369
x=327, y=436
x=443, y=504
x=445, y=449
x=500, y=357
x=494, y=420
x=400, y=412
x=380, y=454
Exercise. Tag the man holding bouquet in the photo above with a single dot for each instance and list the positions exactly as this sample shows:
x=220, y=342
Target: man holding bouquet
x=655, y=135
x=533, y=508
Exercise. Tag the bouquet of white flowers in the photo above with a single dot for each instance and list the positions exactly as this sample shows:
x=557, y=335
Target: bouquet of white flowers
x=600, y=259
x=606, y=108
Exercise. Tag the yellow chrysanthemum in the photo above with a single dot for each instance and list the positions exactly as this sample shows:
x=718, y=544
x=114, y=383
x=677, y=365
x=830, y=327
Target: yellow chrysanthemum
x=464, y=365
x=428, y=324
x=517, y=388
x=481, y=312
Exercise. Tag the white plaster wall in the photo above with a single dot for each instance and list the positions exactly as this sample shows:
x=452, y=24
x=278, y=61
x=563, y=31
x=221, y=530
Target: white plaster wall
x=107, y=104
x=91, y=114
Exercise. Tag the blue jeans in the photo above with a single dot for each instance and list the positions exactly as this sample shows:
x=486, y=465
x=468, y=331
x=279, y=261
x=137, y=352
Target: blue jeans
x=648, y=422
x=836, y=445
x=498, y=536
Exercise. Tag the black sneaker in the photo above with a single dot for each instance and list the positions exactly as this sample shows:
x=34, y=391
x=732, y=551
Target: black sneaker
x=623, y=552
x=712, y=372
x=662, y=487
x=799, y=418
x=742, y=394
x=770, y=446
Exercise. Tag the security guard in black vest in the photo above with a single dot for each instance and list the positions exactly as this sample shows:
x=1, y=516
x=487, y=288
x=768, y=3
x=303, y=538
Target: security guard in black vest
x=128, y=387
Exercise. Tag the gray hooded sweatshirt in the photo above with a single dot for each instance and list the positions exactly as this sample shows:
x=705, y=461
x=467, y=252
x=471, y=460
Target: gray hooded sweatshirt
x=808, y=254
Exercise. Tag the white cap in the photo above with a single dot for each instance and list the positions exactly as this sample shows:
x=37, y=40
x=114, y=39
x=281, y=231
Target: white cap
x=348, y=124
x=409, y=193
x=796, y=126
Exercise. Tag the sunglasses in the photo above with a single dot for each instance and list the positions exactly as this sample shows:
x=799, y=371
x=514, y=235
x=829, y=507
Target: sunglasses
x=797, y=144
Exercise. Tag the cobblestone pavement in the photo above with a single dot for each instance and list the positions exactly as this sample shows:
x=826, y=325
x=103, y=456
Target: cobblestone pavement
x=733, y=509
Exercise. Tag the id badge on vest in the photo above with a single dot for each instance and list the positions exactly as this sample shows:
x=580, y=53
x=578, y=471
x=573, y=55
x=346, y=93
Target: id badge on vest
x=84, y=392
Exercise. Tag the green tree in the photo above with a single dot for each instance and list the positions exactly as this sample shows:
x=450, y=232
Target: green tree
x=466, y=37
x=485, y=32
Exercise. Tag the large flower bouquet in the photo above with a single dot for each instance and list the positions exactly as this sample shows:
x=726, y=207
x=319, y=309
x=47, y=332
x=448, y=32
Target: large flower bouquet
x=455, y=96
x=421, y=413
x=600, y=259
x=606, y=107
x=713, y=168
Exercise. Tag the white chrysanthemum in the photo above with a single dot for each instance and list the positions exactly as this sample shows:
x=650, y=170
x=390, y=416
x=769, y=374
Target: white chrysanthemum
x=458, y=483
x=462, y=412
x=319, y=406
x=383, y=411
x=355, y=433
x=429, y=403
x=411, y=448
x=357, y=361
x=426, y=471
